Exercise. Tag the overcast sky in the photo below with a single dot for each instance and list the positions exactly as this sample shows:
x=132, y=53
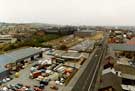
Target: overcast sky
x=85, y=12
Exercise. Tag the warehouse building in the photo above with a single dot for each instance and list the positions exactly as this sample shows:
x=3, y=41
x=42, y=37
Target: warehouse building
x=123, y=50
x=7, y=39
x=14, y=57
x=127, y=75
x=3, y=61
x=110, y=82
x=131, y=42
x=85, y=46
x=67, y=55
x=85, y=33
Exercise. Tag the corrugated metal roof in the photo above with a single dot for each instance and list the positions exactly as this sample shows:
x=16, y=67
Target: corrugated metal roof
x=128, y=76
x=58, y=53
x=16, y=55
x=22, y=53
x=86, y=45
x=65, y=54
x=125, y=69
x=131, y=42
x=4, y=60
x=128, y=87
x=122, y=47
x=111, y=80
x=72, y=55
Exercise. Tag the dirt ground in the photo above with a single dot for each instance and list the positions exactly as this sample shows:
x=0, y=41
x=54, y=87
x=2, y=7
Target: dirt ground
x=69, y=41
x=98, y=36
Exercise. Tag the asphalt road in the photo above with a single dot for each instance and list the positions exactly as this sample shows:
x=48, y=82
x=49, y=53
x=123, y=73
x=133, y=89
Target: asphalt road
x=88, y=79
x=85, y=82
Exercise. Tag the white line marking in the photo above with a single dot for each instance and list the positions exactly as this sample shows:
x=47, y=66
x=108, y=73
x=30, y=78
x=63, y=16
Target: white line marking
x=94, y=75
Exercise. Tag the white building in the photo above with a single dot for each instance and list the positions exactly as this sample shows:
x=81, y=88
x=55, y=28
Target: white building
x=7, y=39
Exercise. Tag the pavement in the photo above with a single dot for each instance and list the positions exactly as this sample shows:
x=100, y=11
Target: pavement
x=24, y=77
x=88, y=77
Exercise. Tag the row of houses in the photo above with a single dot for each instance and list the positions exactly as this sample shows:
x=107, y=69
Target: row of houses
x=120, y=36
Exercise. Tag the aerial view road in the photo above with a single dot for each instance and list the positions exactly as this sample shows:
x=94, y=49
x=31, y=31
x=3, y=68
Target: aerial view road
x=88, y=77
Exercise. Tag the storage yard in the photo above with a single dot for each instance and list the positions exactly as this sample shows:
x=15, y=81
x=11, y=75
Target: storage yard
x=46, y=69
x=50, y=72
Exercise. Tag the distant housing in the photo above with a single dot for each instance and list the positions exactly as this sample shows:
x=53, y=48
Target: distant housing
x=60, y=30
x=84, y=33
x=131, y=42
x=7, y=39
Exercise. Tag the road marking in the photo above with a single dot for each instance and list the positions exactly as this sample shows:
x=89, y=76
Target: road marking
x=94, y=74
x=86, y=81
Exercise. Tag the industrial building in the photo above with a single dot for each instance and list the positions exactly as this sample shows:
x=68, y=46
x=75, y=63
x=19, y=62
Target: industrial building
x=84, y=33
x=85, y=46
x=16, y=56
x=110, y=82
x=131, y=42
x=67, y=55
x=123, y=50
x=7, y=39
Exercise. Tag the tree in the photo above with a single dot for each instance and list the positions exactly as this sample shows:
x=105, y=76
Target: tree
x=63, y=47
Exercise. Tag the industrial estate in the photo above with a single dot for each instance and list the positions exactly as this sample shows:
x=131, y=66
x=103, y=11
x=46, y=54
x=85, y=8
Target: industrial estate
x=41, y=57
